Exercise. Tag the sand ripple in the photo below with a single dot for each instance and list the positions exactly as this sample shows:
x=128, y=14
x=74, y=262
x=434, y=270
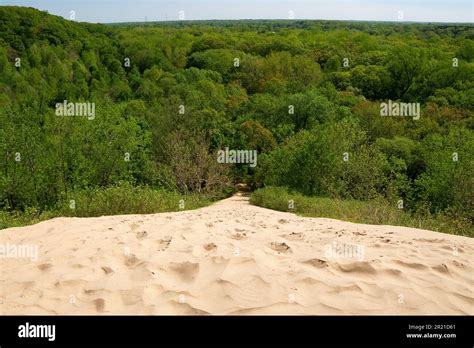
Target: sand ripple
x=234, y=258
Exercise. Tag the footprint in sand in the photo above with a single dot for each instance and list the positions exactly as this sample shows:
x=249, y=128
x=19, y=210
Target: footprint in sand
x=107, y=269
x=187, y=271
x=280, y=247
x=239, y=236
x=164, y=243
x=318, y=263
x=294, y=236
x=45, y=266
x=210, y=246
x=359, y=233
x=443, y=268
x=131, y=260
x=142, y=234
x=99, y=304
x=90, y=292
x=458, y=264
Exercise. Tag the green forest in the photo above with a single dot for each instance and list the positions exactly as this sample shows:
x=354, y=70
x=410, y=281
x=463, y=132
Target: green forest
x=168, y=96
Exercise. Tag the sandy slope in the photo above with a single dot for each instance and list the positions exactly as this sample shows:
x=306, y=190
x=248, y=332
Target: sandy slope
x=234, y=258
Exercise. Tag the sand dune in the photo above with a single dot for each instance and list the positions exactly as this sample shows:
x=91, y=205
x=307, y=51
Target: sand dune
x=234, y=258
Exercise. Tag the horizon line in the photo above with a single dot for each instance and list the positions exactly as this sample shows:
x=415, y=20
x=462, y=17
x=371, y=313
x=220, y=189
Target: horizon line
x=275, y=19
x=164, y=21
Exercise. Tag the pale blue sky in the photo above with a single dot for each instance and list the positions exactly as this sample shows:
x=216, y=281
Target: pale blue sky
x=108, y=11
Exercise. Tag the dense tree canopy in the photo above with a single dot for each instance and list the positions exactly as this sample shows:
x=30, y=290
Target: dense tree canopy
x=305, y=94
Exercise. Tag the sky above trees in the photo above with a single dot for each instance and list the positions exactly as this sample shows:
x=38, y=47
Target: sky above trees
x=109, y=11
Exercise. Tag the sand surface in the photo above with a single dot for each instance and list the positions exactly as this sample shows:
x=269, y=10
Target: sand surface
x=234, y=258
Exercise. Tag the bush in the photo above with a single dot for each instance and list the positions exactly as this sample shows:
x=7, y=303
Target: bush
x=127, y=199
x=313, y=163
x=115, y=200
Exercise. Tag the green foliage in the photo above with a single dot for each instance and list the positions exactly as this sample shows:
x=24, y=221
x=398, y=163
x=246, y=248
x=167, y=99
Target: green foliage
x=126, y=199
x=122, y=198
x=329, y=160
x=305, y=94
x=377, y=211
x=447, y=182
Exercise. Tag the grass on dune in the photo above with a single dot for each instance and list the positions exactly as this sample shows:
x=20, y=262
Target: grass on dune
x=377, y=212
x=117, y=200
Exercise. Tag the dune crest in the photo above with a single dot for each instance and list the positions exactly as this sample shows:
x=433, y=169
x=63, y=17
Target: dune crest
x=234, y=258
